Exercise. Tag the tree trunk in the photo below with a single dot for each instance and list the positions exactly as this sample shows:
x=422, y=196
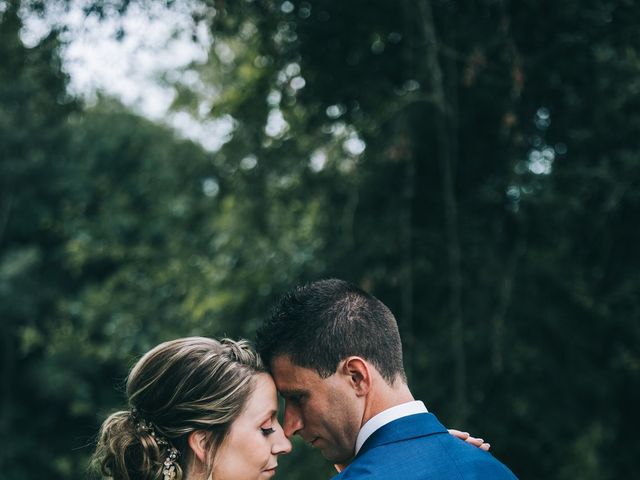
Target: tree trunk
x=446, y=139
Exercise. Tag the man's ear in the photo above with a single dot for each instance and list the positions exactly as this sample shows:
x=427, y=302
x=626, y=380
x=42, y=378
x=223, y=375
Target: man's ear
x=198, y=443
x=359, y=374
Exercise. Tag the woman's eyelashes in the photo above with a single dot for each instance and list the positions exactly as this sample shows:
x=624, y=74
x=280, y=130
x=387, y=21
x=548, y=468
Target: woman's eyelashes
x=266, y=431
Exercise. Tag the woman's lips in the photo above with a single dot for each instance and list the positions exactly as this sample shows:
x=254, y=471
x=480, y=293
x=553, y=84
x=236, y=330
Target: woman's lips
x=270, y=471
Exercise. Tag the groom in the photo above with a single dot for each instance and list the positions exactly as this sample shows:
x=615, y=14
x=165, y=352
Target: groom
x=336, y=357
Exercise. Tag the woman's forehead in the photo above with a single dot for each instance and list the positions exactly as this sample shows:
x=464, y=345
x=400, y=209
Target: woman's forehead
x=263, y=399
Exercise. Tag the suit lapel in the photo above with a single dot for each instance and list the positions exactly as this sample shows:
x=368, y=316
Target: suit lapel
x=412, y=426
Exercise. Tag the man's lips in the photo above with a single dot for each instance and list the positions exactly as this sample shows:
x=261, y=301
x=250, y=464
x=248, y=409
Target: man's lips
x=308, y=439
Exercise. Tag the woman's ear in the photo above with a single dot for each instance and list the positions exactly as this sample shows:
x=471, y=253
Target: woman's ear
x=197, y=441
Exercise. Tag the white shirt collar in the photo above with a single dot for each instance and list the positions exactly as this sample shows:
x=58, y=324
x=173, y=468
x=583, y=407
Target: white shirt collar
x=387, y=416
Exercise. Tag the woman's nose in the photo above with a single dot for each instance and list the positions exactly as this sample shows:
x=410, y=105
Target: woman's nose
x=282, y=445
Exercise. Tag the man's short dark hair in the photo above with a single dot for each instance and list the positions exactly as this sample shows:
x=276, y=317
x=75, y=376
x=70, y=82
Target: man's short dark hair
x=319, y=324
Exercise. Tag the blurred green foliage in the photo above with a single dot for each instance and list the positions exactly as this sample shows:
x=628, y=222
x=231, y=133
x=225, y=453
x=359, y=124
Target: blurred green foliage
x=475, y=165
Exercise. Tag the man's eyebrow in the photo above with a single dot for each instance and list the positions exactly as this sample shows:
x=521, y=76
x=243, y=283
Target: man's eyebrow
x=292, y=392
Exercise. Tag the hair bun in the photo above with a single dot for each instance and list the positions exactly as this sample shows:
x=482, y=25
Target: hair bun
x=129, y=448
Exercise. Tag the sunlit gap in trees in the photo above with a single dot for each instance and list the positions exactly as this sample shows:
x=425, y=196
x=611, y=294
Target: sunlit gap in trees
x=210, y=187
x=139, y=57
x=539, y=161
x=289, y=82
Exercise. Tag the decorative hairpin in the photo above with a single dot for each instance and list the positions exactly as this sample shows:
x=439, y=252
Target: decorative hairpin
x=169, y=469
x=143, y=425
x=169, y=466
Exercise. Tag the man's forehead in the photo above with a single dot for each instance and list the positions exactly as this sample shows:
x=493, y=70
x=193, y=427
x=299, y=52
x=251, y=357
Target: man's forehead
x=288, y=375
x=283, y=365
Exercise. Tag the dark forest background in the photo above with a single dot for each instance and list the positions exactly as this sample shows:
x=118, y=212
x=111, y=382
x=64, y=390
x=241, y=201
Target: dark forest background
x=473, y=164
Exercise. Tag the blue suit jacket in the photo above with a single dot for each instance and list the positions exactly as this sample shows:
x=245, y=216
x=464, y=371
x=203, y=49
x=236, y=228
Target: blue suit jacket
x=419, y=447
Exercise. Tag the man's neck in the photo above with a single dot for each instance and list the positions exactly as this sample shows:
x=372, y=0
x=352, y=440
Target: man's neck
x=385, y=397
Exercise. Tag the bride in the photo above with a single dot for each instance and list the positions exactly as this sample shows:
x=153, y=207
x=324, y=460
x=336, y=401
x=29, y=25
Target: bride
x=198, y=409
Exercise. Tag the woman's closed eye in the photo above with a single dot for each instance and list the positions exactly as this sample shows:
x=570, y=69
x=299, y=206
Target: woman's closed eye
x=266, y=431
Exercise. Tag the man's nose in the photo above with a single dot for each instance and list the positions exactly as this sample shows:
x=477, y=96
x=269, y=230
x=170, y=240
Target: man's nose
x=292, y=421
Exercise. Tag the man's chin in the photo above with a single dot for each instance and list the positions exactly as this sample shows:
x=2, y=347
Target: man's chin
x=336, y=458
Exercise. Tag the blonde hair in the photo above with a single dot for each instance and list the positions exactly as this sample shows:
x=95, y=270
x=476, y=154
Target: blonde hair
x=188, y=384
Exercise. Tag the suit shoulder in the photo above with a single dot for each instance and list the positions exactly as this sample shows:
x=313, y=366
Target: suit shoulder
x=436, y=457
x=359, y=470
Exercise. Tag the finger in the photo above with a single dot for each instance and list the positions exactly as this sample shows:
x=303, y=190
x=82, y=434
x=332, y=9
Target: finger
x=474, y=441
x=459, y=434
x=485, y=447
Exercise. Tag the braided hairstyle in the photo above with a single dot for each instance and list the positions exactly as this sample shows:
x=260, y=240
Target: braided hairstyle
x=178, y=387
